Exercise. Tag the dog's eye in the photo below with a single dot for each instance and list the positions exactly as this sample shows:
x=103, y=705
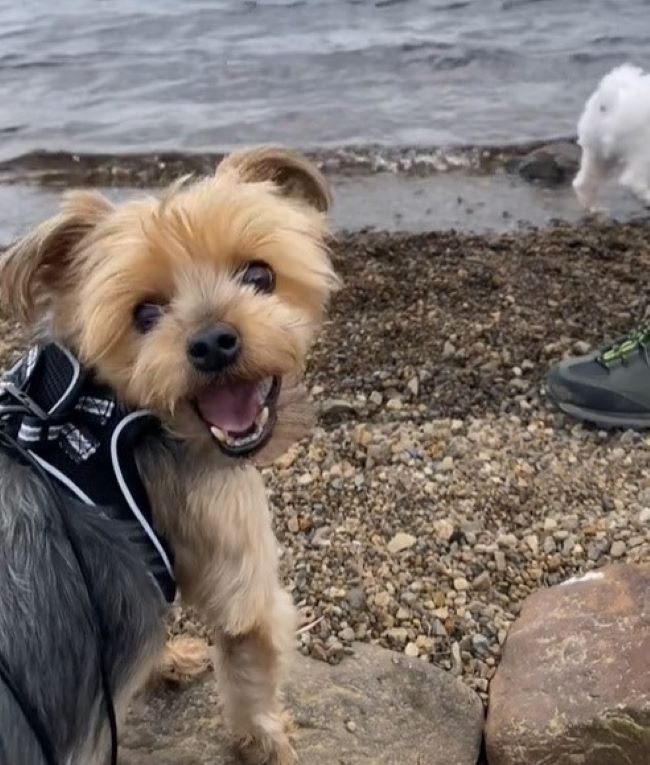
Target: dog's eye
x=259, y=276
x=146, y=316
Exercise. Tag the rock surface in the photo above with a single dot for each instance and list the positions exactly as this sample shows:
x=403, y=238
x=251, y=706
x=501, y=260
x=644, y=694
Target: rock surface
x=573, y=687
x=551, y=165
x=377, y=707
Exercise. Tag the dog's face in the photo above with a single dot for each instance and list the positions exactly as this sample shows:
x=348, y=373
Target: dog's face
x=200, y=306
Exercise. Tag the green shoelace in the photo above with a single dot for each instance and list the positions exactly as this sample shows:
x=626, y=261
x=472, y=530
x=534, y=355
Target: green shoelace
x=638, y=339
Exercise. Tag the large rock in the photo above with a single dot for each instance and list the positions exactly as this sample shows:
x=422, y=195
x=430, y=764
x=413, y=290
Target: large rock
x=551, y=165
x=375, y=708
x=573, y=687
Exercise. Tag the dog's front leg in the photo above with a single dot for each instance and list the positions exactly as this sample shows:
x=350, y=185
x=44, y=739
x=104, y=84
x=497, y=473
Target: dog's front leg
x=250, y=667
x=231, y=576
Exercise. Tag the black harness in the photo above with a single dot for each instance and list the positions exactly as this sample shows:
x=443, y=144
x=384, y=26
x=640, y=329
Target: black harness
x=85, y=439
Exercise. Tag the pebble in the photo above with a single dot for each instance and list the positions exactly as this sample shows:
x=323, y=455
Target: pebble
x=382, y=599
x=350, y=726
x=448, y=350
x=581, y=347
x=532, y=540
x=444, y=529
x=401, y=541
x=376, y=398
x=644, y=515
x=618, y=548
x=412, y=650
x=446, y=465
x=398, y=635
x=356, y=598
x=461, y=584
x=482, y=581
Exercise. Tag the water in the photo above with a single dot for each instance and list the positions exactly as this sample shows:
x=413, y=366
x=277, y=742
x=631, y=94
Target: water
x=121, y=75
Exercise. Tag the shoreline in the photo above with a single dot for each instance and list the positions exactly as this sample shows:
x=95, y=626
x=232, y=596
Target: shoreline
x=499, y=201
x=62, y=168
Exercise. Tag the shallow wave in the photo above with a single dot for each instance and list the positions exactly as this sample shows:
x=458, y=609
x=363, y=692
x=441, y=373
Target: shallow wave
x=62, y=169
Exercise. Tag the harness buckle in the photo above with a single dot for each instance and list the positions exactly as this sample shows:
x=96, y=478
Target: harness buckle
x=23, y=399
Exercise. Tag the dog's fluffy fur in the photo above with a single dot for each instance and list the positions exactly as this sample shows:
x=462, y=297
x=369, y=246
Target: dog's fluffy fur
x=614, y=134
x=80, y=275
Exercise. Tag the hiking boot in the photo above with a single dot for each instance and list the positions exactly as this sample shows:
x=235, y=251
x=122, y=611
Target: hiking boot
x=610, y=387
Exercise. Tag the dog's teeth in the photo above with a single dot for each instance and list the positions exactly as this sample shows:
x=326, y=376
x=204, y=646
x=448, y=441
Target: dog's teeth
x=264, y=387
x=218, y=433
x=263, y=418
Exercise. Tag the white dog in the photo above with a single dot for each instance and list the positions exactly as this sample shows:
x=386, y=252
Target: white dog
x=614, y=134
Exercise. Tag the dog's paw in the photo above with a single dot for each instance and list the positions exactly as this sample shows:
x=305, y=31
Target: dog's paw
x=270, y=741
x=184, y=660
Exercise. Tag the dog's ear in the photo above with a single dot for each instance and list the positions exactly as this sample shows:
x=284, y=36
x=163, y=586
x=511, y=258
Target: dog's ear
x=294, y=175
x=32, y=267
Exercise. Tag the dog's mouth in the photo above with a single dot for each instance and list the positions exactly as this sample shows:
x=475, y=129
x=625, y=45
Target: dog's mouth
x=240, y=415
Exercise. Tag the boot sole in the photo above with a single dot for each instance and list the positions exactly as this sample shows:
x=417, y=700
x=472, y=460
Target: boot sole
x=605, y=420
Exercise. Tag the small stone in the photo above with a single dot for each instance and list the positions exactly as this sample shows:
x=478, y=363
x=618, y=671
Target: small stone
x=305, y=479
x=414, y=386
x=362, y=435
x=532, y=541
x=618, y=549
x=644, y=515
x=398, y=635
x=581, y=347
x=319, y=538
x=382, y=599
x=412, y=650
x=376, y=398
x=347, y=635
x=286, y=460
x=444, y=529
x=448, y=350
x=293, y=524
x=401, y=541
x=554, y=562
x=480, y=644
x=461, y=584
x=394, y=404
x=507, y=540
x=356, y=598
x=549, y=545
x=350, y=726
x=482, y=581
x=446, y=465
x=550, y=524
x=500, y=560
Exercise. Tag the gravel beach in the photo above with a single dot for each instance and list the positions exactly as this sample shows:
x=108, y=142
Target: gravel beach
x=439, y=488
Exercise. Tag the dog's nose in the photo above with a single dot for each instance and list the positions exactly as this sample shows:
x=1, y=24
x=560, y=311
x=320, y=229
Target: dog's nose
x=214, y=348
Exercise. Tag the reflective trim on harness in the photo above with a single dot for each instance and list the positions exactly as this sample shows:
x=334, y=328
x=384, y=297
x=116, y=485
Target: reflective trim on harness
x=127, y=493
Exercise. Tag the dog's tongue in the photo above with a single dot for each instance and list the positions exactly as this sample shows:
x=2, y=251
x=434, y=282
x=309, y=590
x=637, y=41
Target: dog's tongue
x=232, y=407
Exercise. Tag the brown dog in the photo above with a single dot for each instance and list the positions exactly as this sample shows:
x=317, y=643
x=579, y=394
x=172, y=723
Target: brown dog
x=200, y=307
